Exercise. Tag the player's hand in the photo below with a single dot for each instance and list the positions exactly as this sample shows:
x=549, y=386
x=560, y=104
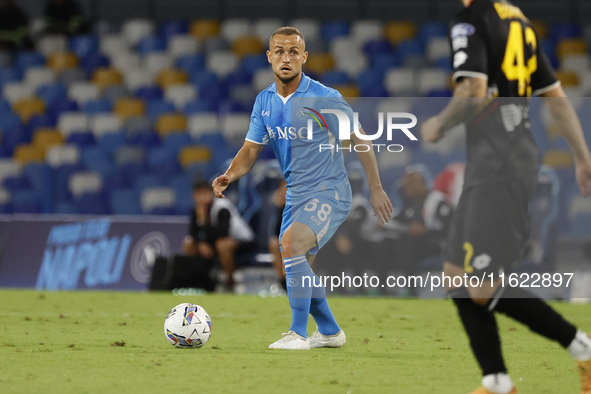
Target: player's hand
x=382, y=207
x=219, y=185
x=431, y=130
x=583, y=173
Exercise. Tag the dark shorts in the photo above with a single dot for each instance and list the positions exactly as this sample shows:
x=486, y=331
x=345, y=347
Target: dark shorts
x=490, y=226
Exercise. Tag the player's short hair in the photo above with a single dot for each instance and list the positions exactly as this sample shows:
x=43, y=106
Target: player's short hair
x=201, y=184
x=288, y=31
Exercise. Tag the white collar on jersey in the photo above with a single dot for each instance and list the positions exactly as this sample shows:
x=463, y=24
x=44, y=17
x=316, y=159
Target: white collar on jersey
x=284, y=99
x=302, y=88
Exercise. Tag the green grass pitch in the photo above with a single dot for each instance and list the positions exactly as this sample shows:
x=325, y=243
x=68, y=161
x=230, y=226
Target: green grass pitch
x=113, y=342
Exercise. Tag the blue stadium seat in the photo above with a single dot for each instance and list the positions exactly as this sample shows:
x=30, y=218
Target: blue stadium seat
x=64, y=105
x=9, y=75
x=581, y=225
x=204, y=80
x=4, y=107
x=159, y=107
x=13, y=137
x=147, y=181
x=84, y=45
x=331, y=30
x=66, y=208
x=176, y=141
x=111, y=142
x=430, y=159
x=93, y=107
x=238, y=77
x=92, y=61
x=440, y=93
x=563, y=30
x=231, y=106
x=374, y=91
x=125, y=202
x=172, y=28
x=444, y=63
x=131, y=171
x=82, y=139
x=9, y=121
x=332, y=78
x=432, y=29
x=62, y=174
x=410, y=47
x=377, y=47
x=163, y=211
x=16, y=183
x=383, y=62
x=369, y=79
x=200, y=105
x=25, y=202
x=163, y=161
x=41, y=177
x=151, y=44
x=92, y=204
x=252, y=63
x=182, y=185
x=149, y=93
x=96, y=159
x=5, y=208
x=549, y=48
x=25, y=59
x=146, y=140
x=51, y=93
x=455, y=156
x=191, y=63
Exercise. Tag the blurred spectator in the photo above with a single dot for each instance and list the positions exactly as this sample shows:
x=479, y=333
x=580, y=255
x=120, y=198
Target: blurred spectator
x=278, y=200
x=13, y=27
x=217, y=230
x=64, y=17
x=421, y=227
x=450, y=182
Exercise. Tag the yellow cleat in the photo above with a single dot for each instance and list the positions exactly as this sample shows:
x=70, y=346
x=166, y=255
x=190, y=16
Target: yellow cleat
x=482, y=390
x=585, y=376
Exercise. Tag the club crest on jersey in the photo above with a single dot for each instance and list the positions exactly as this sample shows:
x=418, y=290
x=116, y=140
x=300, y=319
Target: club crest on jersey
x=462, y=30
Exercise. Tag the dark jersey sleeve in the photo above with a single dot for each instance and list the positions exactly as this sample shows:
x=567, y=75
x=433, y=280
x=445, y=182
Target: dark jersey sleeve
x=543, y=79
x=468, y=45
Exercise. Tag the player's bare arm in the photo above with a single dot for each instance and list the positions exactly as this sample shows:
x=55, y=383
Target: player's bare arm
x=468, y=95
x=570, y=128
x=379, y=199
x=245, y=158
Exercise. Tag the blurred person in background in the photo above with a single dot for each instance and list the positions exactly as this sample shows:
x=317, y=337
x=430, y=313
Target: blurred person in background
x=278, y=200
x=13, y=27
x=217, y=230
x=64, y=17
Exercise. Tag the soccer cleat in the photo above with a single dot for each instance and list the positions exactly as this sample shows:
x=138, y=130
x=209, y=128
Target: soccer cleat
x=319, y=340
x=483, y=390
x=291, y=341
x=585, y=375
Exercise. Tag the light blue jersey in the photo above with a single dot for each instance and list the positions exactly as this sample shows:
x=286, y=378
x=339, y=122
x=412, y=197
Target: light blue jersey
x=308, y=170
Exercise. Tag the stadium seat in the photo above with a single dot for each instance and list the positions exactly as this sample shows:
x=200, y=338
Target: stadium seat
x=60, y=61
x=199, y=106
x=233, y=29
x=319, y=63
x=170, y=77
x=135, y=30
x=146, y=139
x=110, y=143
x=432, y=30
x=112, y=44
x=233, y=127
x=431, y=79
x=247, y=45
x=354, y=65
x=37, y=76
x=9, y=167
x=573, y=46
x=82, y=92
x=264, y=28
x=25, y=202
x=541, y=28
x=127, y=108
x=61, y=106
x=138, y=79
x=138, y=124
x=204, y=80
x=221, y=63
x=182, y=45
x=128, y=155
x=51, y=93
x=161, y=197
x=26, y=59
x=115, y=92
x=102, y=124
x=173, y=28
x=50, y=44
x=151, y=44
x=124, y=202
x=84, y=182
x=27, y=108
x=94, y=61
x=363, y=31
x=96, y=106
x=191, y=63
x=147, y=181
x=565, y=30
x=149, y=93
x=399, y=81
x=310, y=28
x=16, y=91
x=170, y=123
x=9, y=75
x=92, y=204
x=377, y=47
x=180, y=95
x=162, y=162
x=577, y=63
x=204, y=29
x=568, y=79
x=9, y=121
x=26, y=154
x=190, y=155
x=82, y=139
x=70, y=122
x=399, y=31
x=437, y=48
x=175, y=142
x=126, y=62
x=61, y=155
x=46, y=138
x=70, y=76
x=159, y=107
x=84, y=45
x=558, y=159
x=331, y=30
x=252, y=63
x=104, y=77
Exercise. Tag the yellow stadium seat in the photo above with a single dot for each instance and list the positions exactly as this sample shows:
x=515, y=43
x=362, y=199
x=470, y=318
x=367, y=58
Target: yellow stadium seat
x=194, y=154
x=46, y=137
x=568, y=79
x=247, y=46
x=349, y=90
x=319, y=63
x=27, y=108
x=59, y=61
x=127, y=108
x=171, y=77
x=204, y=29
x=575, y=46
x=170, y=123
x=558, y=159
x=398, y=31
x=26, y=154
x=541, y=28
x=104, y=77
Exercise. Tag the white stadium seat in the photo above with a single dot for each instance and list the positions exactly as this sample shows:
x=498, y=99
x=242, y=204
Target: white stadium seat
x=438, y=48
x=113, y=44
x=135, y=30
x=72, y=122
x=105, y=124
x=52, y=43
x=39, y=76
x=235, y=28
x=576, y=63
x=85, y=182
x=399, y=80
x=126, y=61
x=363, y=31
x=82, y=92
x=180, y=95
x=137, y=78
x=263, y=78
x=59, y=155
x=182, y=45
x=204, y=123
x=16, y=91
x=222, y=63
x=263, y=28
x=157, y=197
x=432, y=79
x=8, y=167
x=353, y=64
x=310, y=28
x=4, y=196
x=155, y=62
x=129, y=154
x=234, y=127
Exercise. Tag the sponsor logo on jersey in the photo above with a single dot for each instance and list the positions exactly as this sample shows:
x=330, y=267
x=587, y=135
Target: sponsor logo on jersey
x=459, y=43
x=462, y=30
x=265, y=113
x=460, y=58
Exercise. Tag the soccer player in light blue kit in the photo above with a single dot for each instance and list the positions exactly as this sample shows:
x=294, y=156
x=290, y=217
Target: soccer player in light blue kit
x=318, y=196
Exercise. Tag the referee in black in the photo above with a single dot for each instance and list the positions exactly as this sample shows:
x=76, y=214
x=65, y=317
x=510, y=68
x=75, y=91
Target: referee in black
x=498, y=64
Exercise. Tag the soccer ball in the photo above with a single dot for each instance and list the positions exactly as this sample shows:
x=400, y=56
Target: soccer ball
x=187, y=326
